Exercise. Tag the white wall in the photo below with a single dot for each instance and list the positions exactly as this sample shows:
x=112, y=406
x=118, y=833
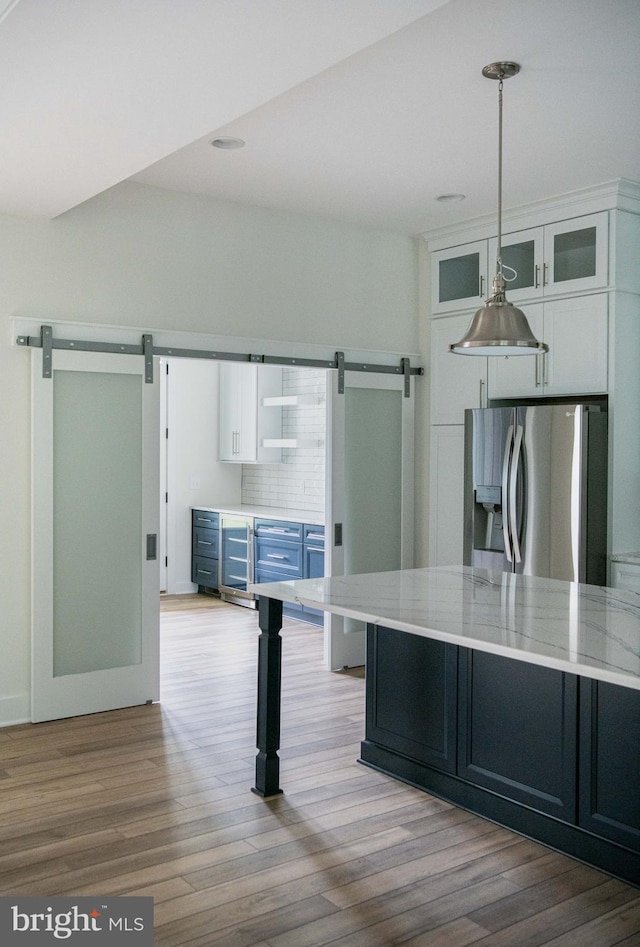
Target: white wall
x=138, y=256
x=195, y=476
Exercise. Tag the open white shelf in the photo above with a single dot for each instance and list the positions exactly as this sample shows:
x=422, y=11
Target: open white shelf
x=299, y=442
x=281, y=401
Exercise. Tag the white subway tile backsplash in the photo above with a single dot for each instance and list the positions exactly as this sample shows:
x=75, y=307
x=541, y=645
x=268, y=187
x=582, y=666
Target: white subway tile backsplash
x=298, y=482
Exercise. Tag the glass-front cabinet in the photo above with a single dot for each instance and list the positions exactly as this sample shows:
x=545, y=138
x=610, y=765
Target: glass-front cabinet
x=577, y=254
x=522, y=262
x=566, y=257
x=459, y=277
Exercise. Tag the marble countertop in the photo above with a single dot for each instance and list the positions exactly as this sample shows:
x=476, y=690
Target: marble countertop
x=267, y=512
x=583, y=629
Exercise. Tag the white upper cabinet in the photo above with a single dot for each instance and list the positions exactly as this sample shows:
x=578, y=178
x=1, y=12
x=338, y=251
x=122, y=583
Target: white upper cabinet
x=522, y=262
x=576, y=253
x=566, y=257
x=459, y=277
x=577, y=279
x=576, y=331
x=457, y=381
x=245, y=423
x=519, y=376
x=560, y=258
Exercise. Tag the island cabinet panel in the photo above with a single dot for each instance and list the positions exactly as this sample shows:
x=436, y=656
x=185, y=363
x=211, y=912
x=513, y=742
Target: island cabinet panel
x=609, y=802
x=527, y=752
x=411, y=696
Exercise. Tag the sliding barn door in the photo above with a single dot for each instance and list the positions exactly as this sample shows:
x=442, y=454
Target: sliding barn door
x=370, y=491
x=95, y=601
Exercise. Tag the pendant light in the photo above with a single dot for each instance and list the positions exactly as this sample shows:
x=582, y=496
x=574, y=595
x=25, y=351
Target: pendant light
x=499, y=327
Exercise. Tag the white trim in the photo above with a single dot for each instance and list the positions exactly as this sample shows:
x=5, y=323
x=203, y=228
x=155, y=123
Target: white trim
x=14, y=710
x=621, y=194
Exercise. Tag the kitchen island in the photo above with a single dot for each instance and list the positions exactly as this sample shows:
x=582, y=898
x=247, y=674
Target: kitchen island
x=513, y=696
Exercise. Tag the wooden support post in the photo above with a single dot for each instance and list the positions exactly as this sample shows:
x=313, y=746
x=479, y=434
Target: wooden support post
x=269, y=678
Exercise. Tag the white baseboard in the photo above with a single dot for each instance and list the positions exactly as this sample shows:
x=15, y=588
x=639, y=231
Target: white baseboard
x=14, y=710
x=182, y=588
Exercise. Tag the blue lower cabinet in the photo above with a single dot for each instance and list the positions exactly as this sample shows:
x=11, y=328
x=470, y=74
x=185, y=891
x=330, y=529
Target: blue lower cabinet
x=285, y=550
x=205, y=549
x=314, y=569
x=552, y=755
x=281, y=556
x=288, y=608
x=313, y=564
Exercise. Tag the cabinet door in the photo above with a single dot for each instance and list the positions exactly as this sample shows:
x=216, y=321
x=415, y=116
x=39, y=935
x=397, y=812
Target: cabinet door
x=522, y=262
x=447, y=495
x=576, y=254
x=249, y=430
x=457, y=381
x=519, y=376
x=610, y=762
x=530, y=753
x=411, y=696
x=313, y=569
x=576, y=331
x=238, y=412
x=459, y=277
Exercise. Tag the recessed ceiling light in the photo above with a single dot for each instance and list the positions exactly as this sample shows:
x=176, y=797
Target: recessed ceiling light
x=228, y=143
x=450, y=198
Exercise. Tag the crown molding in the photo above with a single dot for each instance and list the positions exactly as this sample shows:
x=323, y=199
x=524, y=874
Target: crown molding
x=620, y=194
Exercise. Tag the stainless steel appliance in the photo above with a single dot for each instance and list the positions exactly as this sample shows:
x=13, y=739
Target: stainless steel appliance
x=536, y=490
x=236, y=559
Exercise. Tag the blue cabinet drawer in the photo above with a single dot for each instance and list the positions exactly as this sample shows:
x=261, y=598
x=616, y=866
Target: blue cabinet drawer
x=313, y=535
x=279, y=556
x=205, y=519
x=279, y=529
x=206, y=542
x=204, y=572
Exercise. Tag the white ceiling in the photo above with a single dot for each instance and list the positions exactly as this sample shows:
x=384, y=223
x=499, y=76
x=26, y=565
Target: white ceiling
x=364, y=110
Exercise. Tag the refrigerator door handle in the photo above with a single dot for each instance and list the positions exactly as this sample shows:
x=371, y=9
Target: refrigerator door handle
x=505, y=493
x=513, y=483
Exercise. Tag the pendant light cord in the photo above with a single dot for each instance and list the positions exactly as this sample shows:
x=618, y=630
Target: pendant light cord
x=499, y=257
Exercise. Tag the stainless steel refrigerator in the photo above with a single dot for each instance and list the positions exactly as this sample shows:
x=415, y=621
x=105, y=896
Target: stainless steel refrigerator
x=536, y=490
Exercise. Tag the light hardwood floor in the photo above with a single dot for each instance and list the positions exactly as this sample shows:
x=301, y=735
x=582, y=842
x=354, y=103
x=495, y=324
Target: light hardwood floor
x=156, y=801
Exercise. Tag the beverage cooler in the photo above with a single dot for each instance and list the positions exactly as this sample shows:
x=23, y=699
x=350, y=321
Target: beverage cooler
x=236, y=559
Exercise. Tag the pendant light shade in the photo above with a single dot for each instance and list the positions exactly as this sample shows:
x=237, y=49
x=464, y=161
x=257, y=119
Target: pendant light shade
x=499, y=327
